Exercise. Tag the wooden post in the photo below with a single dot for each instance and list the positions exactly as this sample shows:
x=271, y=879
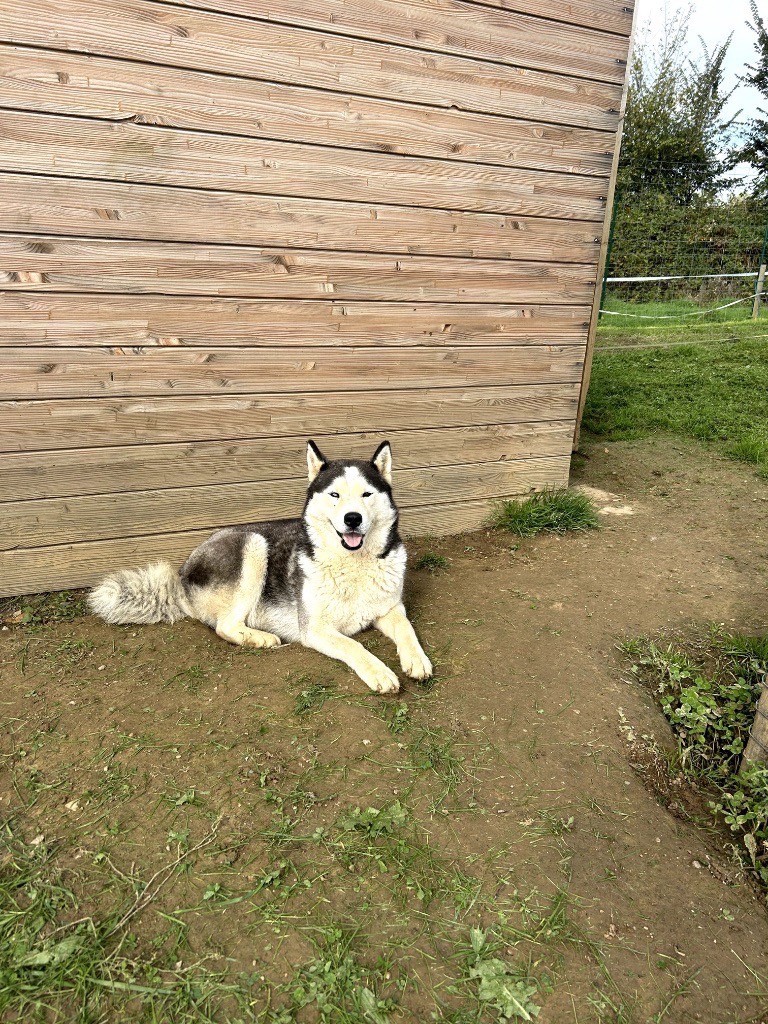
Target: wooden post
x=757, y=747
x=759, y=291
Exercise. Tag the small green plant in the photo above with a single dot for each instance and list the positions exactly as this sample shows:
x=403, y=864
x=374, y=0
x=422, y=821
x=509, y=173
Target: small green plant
x=337, y=986
x=41, y=609
x=312, y=698
x=752, y=448
x=555, y=510
x=711, y=712
x=509, y=991
x=375, y=821
x=431, y=562
x=708, y=693
x=744, y=806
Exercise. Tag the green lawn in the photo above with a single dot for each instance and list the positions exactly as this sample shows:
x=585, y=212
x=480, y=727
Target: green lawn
x=708, y=382
x=686, y=312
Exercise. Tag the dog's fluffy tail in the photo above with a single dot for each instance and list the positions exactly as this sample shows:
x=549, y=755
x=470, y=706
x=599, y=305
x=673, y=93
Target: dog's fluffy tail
x=152, y=594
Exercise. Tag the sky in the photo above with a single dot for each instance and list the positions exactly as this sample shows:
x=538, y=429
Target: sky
x=714, y=20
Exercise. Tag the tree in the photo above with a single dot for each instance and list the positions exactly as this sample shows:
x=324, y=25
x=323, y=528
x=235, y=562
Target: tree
x=755, y=148
x=676, y=137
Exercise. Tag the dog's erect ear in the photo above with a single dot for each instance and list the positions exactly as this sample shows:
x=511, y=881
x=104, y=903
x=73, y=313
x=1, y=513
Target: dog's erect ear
x=315, y=460
x=382, y=460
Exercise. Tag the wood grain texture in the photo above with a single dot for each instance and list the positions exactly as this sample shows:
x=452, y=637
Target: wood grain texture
x=188, y=38
x=146, y=467
x=80, y=565
x=95, y=372
x=48, y=521
x=53, y=320
x=75, y=147
x=87, y=423
x=451, y=26
x=117, y=90
x=608, y=15
x=114, y=210
x=49, y=263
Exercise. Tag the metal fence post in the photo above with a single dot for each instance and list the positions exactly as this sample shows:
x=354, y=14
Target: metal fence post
x=760, y=286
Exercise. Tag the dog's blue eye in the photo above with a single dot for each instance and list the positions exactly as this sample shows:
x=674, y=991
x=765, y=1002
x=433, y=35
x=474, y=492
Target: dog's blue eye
x=334, y=494
x=367, y=494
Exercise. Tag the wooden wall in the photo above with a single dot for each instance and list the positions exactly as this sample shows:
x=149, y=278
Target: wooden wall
x=228, y=225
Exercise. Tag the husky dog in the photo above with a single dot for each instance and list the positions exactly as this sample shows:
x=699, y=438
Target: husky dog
x=319, y=579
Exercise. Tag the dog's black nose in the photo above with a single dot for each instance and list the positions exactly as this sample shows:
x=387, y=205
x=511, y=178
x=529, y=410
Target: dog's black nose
x=352, y=520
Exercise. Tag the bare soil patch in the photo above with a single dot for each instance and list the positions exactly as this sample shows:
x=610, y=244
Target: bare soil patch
x=505, y=792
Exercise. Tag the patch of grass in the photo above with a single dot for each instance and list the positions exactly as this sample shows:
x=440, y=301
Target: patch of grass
x=42, y=609
x=555, y=510
x=711, y=393
x=311, y=699
x=433, y=749
x=57, y=965
x=689, y=320
x=708, y=692
x=431, y=562
x=336, y=986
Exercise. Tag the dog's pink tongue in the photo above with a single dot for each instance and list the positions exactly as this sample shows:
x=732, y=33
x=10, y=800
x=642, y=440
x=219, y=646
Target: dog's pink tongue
x=353, y=540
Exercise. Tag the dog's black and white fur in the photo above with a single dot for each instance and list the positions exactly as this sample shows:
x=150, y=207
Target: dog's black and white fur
x=319, y=579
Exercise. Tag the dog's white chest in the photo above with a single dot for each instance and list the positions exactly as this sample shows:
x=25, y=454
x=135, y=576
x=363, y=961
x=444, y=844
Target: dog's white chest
x=348, y=594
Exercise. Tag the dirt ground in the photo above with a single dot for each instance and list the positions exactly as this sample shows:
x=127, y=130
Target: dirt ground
x=510, y=777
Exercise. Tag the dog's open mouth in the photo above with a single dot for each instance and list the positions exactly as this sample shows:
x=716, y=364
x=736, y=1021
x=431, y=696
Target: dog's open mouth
x=351, y=541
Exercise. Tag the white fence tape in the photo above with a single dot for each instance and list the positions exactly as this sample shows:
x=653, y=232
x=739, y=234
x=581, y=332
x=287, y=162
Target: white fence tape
x=677, y=316
x=680, y=277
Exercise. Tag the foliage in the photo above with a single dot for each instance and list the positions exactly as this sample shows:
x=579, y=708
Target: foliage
x=556, y=510
x=755, y=147
x=744, y=806
x=677, y=212
x=41, y=609
x=56, y=968
x=711, y=716
x=676, y=137
x=375, y=821
x=431, y=562
x=708, y=695
x=712, y=393
x=336, y=985
x=507, y=991
x=655, y=235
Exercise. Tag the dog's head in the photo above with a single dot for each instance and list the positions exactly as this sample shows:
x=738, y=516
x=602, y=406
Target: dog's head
x=349, y=501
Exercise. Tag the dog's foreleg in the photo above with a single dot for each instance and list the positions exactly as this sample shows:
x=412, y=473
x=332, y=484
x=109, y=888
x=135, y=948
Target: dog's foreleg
x=373, y=672
x=396, y=625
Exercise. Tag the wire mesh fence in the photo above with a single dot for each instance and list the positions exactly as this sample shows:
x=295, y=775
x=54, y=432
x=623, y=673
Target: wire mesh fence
x=673, y=260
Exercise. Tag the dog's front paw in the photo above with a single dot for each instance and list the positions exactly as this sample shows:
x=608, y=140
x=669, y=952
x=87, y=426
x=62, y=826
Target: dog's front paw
x=381, y=679
x=416, y=664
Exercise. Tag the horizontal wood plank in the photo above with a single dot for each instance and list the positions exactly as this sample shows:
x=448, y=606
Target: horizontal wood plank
x=50, y=521
x=94, y=372
x=49, y=263
x=87, y=423
x=126, y=152
x=54, y=320
x=119, y=90
x=145, y=467
x=114, y=210
x=188, y=38
x=31, y=570
x=608, y=15
x=451, y=26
